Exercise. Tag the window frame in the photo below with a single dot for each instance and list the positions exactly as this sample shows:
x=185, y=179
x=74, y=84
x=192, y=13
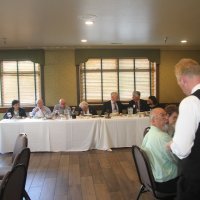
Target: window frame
x=41, y=77
x=156, y=72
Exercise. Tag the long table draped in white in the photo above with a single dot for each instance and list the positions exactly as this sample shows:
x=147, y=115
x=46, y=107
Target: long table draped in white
x=122, y=132
x=75, y=134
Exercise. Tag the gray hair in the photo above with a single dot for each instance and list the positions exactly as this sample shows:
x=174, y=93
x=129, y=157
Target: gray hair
x=83, y=103
x=136, y=93
x=114, y=93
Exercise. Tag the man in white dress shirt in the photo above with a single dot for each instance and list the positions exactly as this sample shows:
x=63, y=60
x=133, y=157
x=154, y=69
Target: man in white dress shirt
x=186, y=140
x=40, y=110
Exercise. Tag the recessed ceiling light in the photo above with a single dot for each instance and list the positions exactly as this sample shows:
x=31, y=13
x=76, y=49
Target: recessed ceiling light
x=88, y=19
x=83, y=40
x=183, y=41
x=89, y=22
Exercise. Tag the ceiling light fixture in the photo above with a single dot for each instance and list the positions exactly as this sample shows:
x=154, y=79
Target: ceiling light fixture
x=183, y=41
x=83, y=40
x=165, y=39
x=88, y=19
x=88, y=22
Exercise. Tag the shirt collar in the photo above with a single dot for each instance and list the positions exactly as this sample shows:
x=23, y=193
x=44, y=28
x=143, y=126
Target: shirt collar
x=195, y=88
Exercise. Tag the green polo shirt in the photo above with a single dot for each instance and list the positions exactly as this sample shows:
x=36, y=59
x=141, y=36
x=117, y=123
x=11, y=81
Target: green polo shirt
x=163, y=162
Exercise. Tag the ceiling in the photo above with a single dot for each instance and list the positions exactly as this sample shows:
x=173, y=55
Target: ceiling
x=50, y=24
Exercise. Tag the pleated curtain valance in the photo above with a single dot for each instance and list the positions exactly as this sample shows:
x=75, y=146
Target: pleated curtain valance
x=36, y=56
x=82, y=55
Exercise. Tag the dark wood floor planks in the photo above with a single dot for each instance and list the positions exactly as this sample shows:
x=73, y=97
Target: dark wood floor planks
x=90, y=175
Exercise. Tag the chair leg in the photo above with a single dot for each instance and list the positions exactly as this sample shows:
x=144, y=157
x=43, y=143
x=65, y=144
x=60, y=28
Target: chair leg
x=142, y=189
x=26, y=196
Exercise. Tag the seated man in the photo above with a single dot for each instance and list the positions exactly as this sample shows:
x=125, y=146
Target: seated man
x=163, y=163
x=84, y=108
x=112, y=106
x=40, y=110
x=138, y=105
x=61, y=107
x=15, y=111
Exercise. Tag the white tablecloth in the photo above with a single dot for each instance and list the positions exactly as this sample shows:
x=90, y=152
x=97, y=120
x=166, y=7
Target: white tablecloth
x=122, y=132
x=74, y=134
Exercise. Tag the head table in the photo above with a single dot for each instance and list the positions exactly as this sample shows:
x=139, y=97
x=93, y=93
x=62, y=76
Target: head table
x=78, y=134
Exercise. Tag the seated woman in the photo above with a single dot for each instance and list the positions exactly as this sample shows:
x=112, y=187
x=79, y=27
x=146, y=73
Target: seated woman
x=15, y=111
x=172, y=115
x=84, y=108
x=152, y=102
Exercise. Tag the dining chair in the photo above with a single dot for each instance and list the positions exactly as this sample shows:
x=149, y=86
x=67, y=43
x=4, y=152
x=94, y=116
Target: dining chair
x=146, y=130
x=20, y=143
x=145, y=175
x=22, y=157
x=13, y=183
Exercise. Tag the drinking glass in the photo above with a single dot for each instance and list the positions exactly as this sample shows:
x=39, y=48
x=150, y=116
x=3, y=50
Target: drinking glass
x=130, y=111
x=9, y=115
x=30, y=114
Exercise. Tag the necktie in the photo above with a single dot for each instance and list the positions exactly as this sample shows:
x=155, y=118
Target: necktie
x=115, y=106
x=138, y=105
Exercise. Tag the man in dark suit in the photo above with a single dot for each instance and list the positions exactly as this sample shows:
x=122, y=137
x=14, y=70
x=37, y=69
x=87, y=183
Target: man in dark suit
x=138, y=105
x=112, y=106
x=15, y=111
x=84, y=109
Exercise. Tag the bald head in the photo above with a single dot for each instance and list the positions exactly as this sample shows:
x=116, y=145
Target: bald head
x=62, y=103
x=158, y=117
x=40, y=103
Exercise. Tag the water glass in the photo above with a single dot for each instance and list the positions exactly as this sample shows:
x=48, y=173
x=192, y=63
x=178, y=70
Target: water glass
x=9, y=115
x=30, y=114
x=130, y=111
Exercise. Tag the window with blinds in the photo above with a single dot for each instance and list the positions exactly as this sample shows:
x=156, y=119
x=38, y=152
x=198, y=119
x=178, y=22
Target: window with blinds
x=100, y=77
x=20, y=80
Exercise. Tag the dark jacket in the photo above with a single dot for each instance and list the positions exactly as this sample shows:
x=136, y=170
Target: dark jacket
x=108, y=108
x=143, y=106
x=22, y=112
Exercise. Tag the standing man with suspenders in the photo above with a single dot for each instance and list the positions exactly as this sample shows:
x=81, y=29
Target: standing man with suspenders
x=186, y=140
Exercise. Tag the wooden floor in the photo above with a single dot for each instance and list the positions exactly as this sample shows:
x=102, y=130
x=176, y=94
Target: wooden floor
x=90, y=175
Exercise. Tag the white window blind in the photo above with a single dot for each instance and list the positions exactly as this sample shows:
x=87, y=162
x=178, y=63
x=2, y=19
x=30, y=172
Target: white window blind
x=20, y=80
x=100, y=77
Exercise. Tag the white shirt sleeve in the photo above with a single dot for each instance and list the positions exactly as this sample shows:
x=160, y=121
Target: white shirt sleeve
x=186, y=126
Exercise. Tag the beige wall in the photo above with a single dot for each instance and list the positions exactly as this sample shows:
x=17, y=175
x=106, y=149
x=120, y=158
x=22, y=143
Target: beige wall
x=168, y=89
x=60, y=76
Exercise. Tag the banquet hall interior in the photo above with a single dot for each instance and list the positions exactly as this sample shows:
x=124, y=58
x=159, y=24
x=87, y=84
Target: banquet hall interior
x=82, y=50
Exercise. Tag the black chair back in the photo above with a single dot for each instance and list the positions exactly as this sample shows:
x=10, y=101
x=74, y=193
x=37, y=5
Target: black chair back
x=22, y=158
x=21, y=143
x=13, y=184
x=146, y=130
x=145, y=175
x=143, y=169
